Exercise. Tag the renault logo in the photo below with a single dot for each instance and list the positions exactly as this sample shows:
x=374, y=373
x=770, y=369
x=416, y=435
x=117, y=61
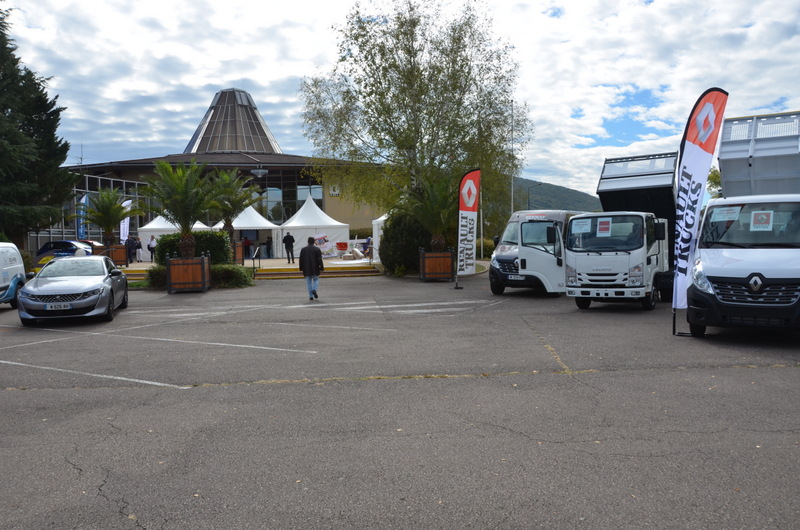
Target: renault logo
x=756, y=283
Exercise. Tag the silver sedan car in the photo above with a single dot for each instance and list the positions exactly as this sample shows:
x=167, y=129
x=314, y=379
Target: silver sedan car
x=72, y=286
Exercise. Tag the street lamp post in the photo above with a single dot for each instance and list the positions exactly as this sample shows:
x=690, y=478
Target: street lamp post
x=528, y=189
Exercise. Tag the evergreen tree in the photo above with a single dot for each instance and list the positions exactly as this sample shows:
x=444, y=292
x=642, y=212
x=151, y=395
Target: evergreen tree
x=34, y=185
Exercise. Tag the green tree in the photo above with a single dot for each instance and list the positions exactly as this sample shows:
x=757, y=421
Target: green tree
x=34, y=186
x=183, y=195
x=107, y=211
x=714, y=183
x=415, y=97
x=231, y=197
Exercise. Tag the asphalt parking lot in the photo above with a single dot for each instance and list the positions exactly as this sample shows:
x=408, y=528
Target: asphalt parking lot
x=391, y=403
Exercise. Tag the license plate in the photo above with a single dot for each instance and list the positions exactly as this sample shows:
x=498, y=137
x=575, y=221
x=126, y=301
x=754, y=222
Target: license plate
x=515, y=277
x=58, y=307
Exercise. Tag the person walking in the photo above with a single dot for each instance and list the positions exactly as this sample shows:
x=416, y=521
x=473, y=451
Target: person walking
x=288, y=244
x=151, y=246
x=311, y=264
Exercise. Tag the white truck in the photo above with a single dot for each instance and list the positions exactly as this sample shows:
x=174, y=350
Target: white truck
x=625, y=253
x=527, y=256
x=747, y=257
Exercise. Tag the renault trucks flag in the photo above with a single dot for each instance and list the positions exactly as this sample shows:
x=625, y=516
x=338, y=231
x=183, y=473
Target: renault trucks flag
x=468, y=199
x=696, y=154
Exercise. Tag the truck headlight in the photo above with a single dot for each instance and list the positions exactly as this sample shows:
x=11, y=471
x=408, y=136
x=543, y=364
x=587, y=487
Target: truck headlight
x=635, y=276
x=572, y=276
x=699, y=278
x=494, y=262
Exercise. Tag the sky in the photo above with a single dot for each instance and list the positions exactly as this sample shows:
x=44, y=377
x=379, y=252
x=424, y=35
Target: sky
x=601, y=78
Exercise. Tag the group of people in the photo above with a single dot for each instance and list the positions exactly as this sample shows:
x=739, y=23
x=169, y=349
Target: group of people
x=133, y=246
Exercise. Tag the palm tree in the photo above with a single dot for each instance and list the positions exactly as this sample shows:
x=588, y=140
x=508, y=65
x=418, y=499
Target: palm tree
x=434, y=203
x=231, y=198
x=107, y=211
x=183, y=195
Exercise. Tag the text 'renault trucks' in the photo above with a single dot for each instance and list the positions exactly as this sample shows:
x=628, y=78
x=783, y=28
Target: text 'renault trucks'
x=625, y=253
x=524, y=256
x=747, y=257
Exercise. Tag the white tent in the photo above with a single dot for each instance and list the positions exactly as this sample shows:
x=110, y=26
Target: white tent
x=377, y=233
x=160, y=226
x=311, y=221
x=249, y=219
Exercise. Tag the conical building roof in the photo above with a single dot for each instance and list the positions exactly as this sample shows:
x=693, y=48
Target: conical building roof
x=232, y=124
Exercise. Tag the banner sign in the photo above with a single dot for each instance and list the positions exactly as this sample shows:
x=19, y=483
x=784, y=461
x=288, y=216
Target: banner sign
x=124, y=225
x=468, y=201
x=696, y=154
x=80, y=227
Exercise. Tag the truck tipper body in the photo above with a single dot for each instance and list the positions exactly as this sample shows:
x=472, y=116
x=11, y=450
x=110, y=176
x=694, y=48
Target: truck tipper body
x=746, y=270
x=625, y=253
x=523, y=256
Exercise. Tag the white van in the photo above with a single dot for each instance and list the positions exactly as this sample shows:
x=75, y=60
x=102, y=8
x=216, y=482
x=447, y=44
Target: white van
x=12, y=273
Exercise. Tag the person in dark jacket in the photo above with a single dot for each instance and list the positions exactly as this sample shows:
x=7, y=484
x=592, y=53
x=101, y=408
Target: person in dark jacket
x=311, y=264
x=288, y=243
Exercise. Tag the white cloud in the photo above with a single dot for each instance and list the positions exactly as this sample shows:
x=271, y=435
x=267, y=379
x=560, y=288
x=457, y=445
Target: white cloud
x=602, y=78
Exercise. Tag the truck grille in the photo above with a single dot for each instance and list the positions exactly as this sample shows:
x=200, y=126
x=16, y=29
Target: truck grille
x=733, y=292
x=509, y=267
x=603, y=279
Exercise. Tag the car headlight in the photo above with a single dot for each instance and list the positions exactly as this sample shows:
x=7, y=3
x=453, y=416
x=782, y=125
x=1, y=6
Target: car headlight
x=93, y=292
x=699, y=278
x=25, y=294
x=572, y=276
x=636, y=276
x=494, y=262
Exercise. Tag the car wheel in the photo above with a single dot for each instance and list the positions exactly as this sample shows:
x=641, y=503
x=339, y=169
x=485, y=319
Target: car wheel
x=697, y=330
x=124, y=303
x=109, y=316
x=583, y=302
x=649, y=302
x=497, y=288
x=28, y=322
x=14, y=301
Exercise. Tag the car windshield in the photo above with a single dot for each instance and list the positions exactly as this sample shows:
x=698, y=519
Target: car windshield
x=70, y=267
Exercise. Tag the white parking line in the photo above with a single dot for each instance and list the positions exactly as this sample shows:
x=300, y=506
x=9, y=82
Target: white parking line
x=101, y=376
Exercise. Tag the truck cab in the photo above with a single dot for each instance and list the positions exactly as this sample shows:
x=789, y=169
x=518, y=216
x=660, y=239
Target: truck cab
x=616, y=257
x=525, y=257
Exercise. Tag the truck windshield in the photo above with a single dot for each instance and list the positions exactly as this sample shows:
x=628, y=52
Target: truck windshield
x=534, y=235
x=760, y=225
x=510, y=234
x=602, y=234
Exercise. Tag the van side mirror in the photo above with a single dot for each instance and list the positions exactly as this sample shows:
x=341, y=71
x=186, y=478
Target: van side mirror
x=661, y=231
x=496, y=240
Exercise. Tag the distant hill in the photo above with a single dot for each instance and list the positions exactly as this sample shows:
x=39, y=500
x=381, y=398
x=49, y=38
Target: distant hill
x=544, y=196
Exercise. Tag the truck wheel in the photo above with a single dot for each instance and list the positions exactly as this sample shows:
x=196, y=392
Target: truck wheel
x=497, y=288
x=583, y=303
x=697, y=330
x=649, y=302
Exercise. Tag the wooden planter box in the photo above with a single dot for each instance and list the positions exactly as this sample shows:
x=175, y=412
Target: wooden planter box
x=117, y=253
x=188, y=274
x=437, y=266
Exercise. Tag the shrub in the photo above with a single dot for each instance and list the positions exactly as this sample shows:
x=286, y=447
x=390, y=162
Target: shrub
x=360, y=233
x=216, y=244
x=222, y=277
x=402, y=238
